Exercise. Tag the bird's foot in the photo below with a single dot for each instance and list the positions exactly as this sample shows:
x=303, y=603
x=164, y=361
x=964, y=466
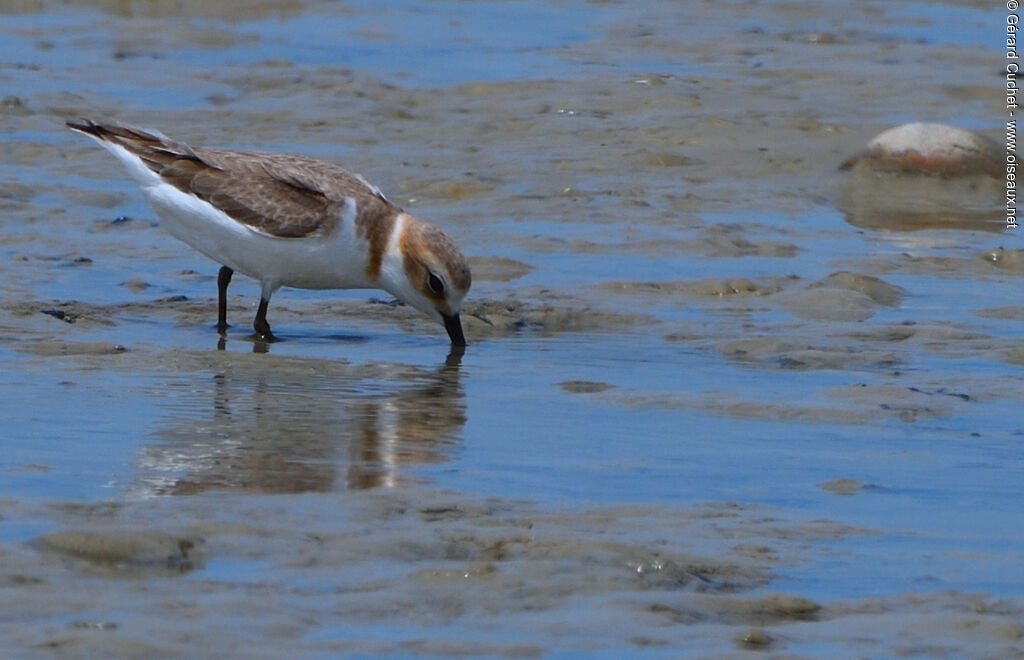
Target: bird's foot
x=263, y=333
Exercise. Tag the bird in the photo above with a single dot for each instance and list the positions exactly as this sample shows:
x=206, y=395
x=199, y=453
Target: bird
x=289, y=220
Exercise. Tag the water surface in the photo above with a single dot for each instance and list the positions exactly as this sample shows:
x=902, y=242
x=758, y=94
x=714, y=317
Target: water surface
x=720, y=397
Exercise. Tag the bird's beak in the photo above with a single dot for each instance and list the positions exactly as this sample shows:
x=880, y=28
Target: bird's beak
x=453, y=324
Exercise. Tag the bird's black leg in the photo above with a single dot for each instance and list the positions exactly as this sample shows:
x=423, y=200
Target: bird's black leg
x=260, y=324
x=223, y=279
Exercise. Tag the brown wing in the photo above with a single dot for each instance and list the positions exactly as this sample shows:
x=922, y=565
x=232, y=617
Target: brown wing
x=286, y=196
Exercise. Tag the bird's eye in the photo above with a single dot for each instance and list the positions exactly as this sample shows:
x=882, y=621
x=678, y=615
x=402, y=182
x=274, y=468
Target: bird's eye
x=435, y=285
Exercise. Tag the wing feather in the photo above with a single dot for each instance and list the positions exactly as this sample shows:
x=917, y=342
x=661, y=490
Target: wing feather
x=281, y=195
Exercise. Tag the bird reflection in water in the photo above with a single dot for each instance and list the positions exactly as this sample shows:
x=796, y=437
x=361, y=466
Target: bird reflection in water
x=411, y=428
x=298, y=425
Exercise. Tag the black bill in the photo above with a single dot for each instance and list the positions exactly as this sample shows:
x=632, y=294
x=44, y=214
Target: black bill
x=453, y=324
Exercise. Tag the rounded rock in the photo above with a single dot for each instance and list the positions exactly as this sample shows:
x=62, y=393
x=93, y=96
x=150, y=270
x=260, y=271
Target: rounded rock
x=927, y=148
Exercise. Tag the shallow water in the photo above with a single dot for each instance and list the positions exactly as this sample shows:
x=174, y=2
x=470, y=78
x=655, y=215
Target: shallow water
x=720, y=399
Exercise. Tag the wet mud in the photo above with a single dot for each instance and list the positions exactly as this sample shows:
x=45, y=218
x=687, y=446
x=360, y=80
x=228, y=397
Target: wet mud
x=508, y=574
x=724, y=397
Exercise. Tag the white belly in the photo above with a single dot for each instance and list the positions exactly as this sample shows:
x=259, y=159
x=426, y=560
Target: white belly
x=336, y=261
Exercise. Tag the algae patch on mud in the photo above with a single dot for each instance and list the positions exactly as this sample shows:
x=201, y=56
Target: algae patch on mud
x=125, y=548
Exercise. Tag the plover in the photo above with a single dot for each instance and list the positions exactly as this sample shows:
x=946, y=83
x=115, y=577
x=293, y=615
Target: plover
x=289, y=220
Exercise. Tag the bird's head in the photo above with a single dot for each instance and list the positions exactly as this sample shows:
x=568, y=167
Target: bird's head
x=428, y=271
